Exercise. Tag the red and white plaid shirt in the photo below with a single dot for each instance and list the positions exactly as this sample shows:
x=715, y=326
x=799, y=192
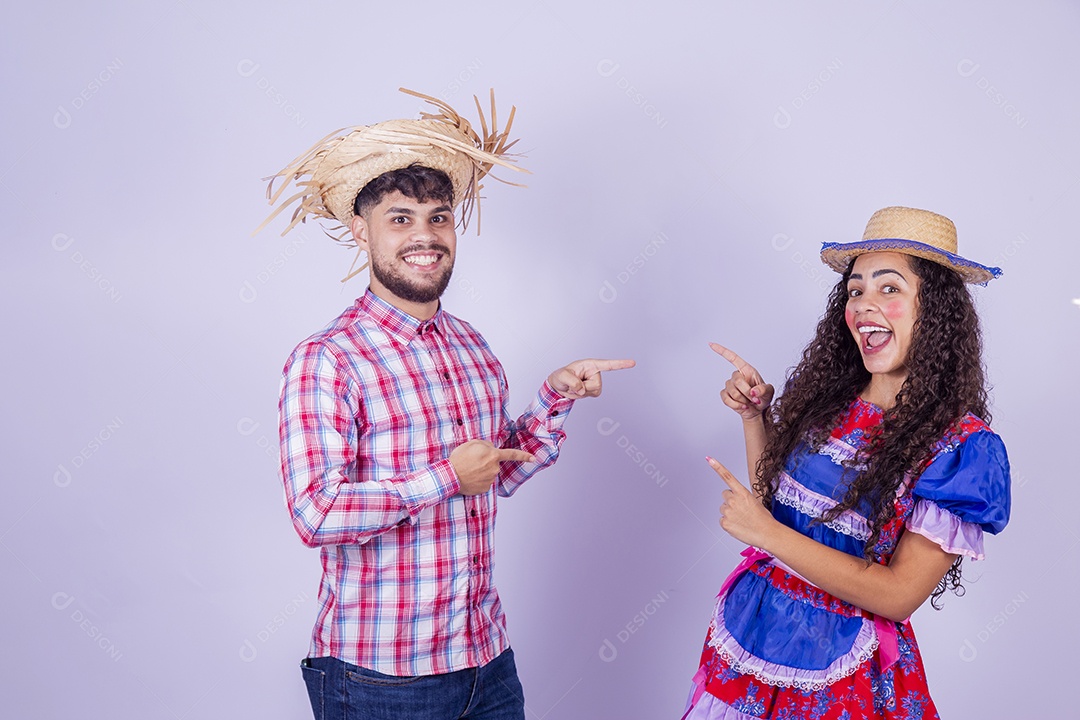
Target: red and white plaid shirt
x=371, y=408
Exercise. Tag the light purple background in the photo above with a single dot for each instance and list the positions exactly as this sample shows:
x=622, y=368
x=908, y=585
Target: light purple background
x=687, y=162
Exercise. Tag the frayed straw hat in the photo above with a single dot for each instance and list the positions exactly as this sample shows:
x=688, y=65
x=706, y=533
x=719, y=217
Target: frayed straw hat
x=913, y=232
x=342, y=163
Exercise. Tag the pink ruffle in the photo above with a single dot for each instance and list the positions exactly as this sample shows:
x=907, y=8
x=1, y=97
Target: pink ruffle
x=950, y=532
x=710, y=707
x=808, y=502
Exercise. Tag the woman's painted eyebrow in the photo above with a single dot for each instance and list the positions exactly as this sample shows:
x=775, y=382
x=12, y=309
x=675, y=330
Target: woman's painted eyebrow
x=877, y=273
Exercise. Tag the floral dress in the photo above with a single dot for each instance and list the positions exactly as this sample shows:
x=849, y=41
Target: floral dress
x=779, y=647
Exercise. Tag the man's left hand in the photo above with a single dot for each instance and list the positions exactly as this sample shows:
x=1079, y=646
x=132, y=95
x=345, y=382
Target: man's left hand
x=581, y=378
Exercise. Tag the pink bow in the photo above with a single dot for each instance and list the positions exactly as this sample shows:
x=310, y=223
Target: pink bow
x=750, y=556
x=888, y=645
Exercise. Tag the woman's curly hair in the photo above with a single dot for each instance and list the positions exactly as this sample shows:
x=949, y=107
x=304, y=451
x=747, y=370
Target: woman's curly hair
x=945, y=381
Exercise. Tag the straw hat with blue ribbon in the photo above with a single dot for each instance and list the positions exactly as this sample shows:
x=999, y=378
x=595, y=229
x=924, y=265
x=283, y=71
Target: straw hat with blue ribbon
x=913, y=232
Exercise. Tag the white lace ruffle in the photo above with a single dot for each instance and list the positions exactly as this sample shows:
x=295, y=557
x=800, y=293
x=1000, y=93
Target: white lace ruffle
x=839, y=452
x=808, y=502
x=746, y=663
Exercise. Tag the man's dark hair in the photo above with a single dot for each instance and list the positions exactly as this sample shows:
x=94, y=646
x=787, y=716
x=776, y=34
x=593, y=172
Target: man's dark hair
x=418, y=182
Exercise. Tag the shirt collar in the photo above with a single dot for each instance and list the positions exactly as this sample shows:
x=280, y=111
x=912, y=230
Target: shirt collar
x=399, y=324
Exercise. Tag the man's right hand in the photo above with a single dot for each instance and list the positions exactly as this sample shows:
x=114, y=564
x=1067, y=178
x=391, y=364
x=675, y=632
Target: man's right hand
x=476, y=464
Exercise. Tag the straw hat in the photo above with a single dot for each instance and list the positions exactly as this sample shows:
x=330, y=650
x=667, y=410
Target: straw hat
x=341, y=164
x=913, y=232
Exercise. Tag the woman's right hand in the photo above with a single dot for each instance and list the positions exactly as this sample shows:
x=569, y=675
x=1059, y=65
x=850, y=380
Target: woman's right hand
x=746, y=392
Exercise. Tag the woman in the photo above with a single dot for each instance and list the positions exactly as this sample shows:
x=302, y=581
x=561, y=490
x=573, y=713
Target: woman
x=876, y=474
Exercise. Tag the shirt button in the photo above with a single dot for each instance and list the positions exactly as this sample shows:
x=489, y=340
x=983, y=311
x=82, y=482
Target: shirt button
x=473, y=513
x=553, y=413
x=475, y=559
x=460, y=421
x=446, y=375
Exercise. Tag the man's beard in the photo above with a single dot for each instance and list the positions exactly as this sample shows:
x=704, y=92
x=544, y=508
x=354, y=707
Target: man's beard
x=403, y=287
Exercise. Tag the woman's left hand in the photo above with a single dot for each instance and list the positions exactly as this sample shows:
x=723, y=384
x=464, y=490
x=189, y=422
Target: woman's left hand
x=742, y=515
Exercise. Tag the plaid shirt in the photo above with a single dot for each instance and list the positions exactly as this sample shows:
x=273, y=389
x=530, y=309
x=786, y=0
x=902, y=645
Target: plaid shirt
x=371, y=408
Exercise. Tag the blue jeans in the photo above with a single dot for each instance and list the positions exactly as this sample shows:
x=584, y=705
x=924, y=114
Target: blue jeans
x=340, y=691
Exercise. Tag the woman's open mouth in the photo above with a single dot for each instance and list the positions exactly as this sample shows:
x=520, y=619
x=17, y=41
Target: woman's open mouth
x=874, y=337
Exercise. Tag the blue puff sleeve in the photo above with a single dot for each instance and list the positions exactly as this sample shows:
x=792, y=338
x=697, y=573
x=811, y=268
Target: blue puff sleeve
x=971, y=481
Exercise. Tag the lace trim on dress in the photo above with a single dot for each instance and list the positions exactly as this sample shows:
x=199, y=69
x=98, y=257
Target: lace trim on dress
x=838, y=451
x=791, y=493
x=746, y=663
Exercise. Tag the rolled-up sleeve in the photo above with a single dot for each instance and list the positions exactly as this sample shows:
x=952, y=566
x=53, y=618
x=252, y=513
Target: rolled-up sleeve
x=538, y=431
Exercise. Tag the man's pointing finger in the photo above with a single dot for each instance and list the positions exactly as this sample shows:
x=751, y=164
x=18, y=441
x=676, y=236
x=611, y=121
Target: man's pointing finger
x=608, y=365
x=509, y=455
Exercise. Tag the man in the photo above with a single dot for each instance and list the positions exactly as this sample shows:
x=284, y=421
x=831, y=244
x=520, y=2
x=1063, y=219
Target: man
x=396, y=441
